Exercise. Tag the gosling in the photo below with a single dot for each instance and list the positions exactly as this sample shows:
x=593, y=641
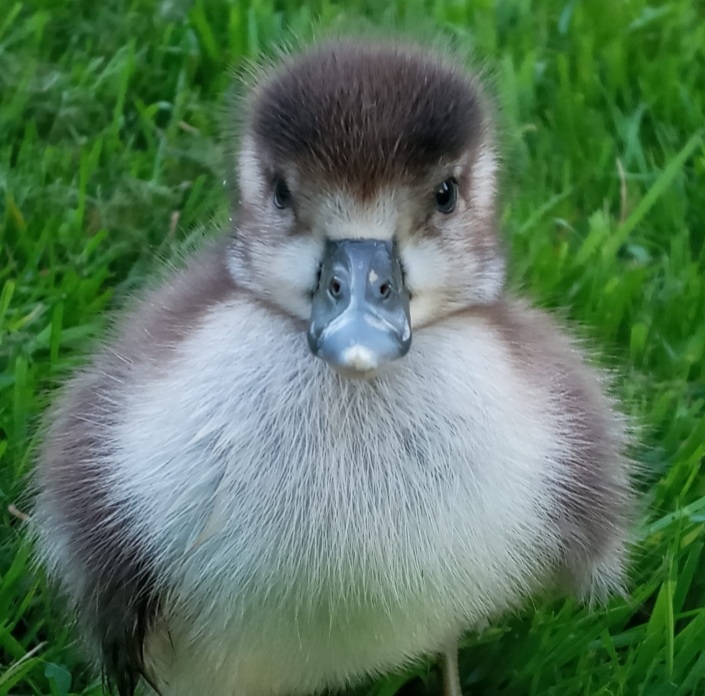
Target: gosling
x=333, y=442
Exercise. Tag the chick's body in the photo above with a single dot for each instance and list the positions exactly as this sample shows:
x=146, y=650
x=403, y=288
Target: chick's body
x=259, y=523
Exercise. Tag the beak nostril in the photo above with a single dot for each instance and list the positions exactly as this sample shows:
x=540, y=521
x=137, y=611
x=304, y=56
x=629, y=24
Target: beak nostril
x=360, y=310
x=335, y=288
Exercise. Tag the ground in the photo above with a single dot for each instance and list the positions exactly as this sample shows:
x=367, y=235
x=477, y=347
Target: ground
x=110, y=159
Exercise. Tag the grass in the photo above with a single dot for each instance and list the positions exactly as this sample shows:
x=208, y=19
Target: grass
x=109, y=158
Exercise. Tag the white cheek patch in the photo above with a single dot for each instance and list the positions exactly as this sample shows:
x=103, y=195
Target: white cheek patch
x=343, y=217
x=493, y=278
x=290, y=271
x=427, y=270
x=426, y=266
x=250, y=174
x=484, y=180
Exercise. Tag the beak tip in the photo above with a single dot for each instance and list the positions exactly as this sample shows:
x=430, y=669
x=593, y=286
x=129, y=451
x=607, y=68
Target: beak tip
x=360, y=358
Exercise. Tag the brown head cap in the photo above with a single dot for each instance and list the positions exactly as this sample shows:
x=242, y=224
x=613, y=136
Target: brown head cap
x=365, y=114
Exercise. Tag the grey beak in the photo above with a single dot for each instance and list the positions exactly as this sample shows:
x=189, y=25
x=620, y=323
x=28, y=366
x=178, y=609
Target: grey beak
x=360, y=311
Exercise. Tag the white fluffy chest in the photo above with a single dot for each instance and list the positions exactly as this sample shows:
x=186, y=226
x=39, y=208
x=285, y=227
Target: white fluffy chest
x=360, y=522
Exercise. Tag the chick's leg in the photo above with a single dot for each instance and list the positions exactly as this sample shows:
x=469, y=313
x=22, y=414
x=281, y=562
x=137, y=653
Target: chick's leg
x=449, y=670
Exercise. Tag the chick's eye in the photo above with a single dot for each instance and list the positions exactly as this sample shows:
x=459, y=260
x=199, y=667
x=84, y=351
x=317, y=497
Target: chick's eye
x=447, y=196
x=282, y=195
